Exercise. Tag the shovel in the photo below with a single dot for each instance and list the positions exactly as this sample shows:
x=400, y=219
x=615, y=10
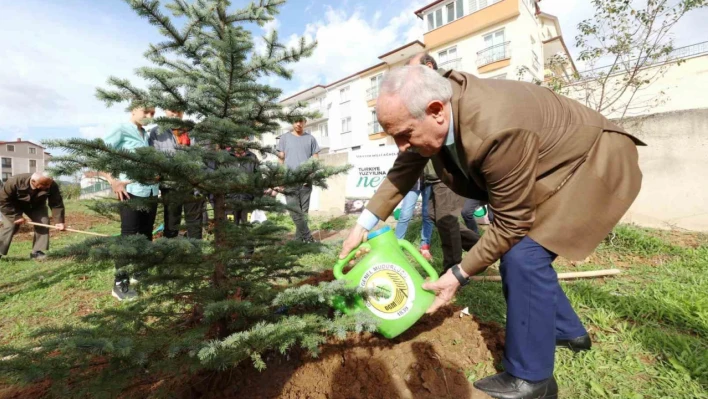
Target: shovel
x=71, y=230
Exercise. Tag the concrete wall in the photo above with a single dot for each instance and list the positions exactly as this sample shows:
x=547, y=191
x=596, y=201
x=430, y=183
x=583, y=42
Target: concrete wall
x=331, y=200
x=675, y=166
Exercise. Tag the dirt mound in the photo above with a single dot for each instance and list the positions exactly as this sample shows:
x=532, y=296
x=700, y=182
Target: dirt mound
x=432, y=360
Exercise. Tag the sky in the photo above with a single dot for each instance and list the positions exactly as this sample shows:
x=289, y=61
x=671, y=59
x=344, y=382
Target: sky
x=54, y=54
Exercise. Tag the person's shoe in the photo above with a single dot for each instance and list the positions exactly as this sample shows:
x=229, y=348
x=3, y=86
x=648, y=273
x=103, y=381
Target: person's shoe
x=38, y=255
x=122, y=291
x=579, y=344
x=425, y=251
x=506, y=386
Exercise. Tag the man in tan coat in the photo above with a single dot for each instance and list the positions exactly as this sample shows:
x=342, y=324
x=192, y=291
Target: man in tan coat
x=557, y=175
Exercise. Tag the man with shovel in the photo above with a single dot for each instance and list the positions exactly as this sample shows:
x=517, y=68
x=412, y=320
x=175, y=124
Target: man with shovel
x=557, y=175
x=29, y=194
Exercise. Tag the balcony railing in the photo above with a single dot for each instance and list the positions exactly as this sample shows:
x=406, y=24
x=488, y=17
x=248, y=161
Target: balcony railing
x=451, y=64
x=675, y=55
x=324, y=112
x=374, y=128
x=536, y=65
x=493, y=54
x=372, y=93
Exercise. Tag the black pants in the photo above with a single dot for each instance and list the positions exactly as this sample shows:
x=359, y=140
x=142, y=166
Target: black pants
x=299, y=200
x=134, y=221
x=173, y=215
x=444, y=207
x=241, y=217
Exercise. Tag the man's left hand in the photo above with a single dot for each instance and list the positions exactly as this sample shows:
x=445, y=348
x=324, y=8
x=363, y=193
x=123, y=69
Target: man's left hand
x=445, y=289
x=60, y=226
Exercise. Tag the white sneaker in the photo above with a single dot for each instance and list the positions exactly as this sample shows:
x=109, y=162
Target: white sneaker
x=121, y=295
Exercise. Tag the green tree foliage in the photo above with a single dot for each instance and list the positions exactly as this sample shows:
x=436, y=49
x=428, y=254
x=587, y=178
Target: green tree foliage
x=207, y=303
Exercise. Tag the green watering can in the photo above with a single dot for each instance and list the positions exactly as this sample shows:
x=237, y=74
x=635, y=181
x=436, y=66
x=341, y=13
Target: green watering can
x=385, y=266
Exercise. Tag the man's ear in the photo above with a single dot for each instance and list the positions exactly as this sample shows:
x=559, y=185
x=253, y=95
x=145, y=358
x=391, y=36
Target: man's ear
x=437, y=110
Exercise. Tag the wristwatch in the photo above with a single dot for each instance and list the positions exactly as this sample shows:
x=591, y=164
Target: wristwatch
x=456, y=272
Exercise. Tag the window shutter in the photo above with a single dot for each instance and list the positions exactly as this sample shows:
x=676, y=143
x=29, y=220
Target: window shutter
x=473, y=6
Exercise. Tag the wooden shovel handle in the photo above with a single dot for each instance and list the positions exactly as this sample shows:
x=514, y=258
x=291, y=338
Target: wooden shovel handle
x=562, y=276
x=71, y=230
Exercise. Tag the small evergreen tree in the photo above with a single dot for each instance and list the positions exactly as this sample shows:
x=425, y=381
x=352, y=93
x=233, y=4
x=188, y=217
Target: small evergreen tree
x=206, y=303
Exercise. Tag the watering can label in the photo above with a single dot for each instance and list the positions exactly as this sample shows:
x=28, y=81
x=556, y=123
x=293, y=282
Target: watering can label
x=397, y=288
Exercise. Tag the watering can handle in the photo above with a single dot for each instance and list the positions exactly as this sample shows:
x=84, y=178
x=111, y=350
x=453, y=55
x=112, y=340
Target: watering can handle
x=338, y=270
x=419, y=258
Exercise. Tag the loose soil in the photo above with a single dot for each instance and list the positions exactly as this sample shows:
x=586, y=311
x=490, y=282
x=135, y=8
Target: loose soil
x=431, y=360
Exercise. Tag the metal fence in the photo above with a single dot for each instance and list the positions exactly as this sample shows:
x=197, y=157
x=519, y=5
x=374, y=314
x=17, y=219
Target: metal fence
x=95, y=188
x=493, y=54
x=675, y=55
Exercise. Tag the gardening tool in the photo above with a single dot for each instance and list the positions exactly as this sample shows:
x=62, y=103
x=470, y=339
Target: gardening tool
x=71, y=230
x=562, y=276
x=401, y=300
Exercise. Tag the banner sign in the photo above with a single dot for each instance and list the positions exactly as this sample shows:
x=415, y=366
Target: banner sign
x=369, y=169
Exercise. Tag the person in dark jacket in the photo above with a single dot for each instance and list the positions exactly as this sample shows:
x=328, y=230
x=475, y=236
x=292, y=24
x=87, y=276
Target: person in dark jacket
x=168, y=140
x=29, y=194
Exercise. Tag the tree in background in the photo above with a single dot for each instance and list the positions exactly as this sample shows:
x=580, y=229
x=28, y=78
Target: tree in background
x=633, y=40
x=207, y=303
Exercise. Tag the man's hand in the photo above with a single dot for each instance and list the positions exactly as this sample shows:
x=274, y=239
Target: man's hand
x=356, y=236
x=20, y=221
x=445, y=289
x=60, y=226
x=119, y=189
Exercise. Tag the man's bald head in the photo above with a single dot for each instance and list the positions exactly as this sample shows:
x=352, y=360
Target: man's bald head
x=41, y=180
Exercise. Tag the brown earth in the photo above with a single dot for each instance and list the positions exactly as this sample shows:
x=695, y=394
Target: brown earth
x=431, y=360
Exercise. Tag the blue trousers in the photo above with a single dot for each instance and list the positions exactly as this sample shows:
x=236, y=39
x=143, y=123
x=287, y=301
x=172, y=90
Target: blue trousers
x=407, y=209
x=538, y=312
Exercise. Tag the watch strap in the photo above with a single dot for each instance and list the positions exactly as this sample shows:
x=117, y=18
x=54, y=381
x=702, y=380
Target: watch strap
x=456, y=272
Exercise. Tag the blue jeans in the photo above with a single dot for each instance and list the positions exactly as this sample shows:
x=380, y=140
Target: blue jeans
x=407, y=208
x=538, y=312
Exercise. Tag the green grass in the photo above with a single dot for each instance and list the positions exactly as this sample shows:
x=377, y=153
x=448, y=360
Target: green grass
x=649, y=325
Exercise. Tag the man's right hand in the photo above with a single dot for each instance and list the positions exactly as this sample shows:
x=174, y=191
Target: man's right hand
x=119, y=189
x=20, y=221
x=356, y=236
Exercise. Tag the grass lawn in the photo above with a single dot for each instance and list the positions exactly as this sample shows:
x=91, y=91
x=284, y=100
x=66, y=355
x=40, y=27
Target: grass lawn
x=649, y=325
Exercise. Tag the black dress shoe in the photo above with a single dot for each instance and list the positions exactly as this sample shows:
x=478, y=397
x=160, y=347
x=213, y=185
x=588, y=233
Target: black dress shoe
x=582, y=343
x=38, y=255
x=506, y=386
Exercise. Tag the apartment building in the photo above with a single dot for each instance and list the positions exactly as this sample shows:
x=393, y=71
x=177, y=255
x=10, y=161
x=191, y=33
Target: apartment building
x=498, y=39
x=21, y=157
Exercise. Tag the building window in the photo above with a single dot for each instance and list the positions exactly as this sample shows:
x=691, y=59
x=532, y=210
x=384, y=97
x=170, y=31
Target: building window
x=10, y=148
x=347, y=124
x=7, y=162
x=495, y=48
x=6, y=175
x=373, y=91
x=344, y=94
x=536, y=64
x=374, y=126
x=445, y=14
x=32, y=150
x=476, y=5
x=447, y=59
x=32, y=165
x=322, y=130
